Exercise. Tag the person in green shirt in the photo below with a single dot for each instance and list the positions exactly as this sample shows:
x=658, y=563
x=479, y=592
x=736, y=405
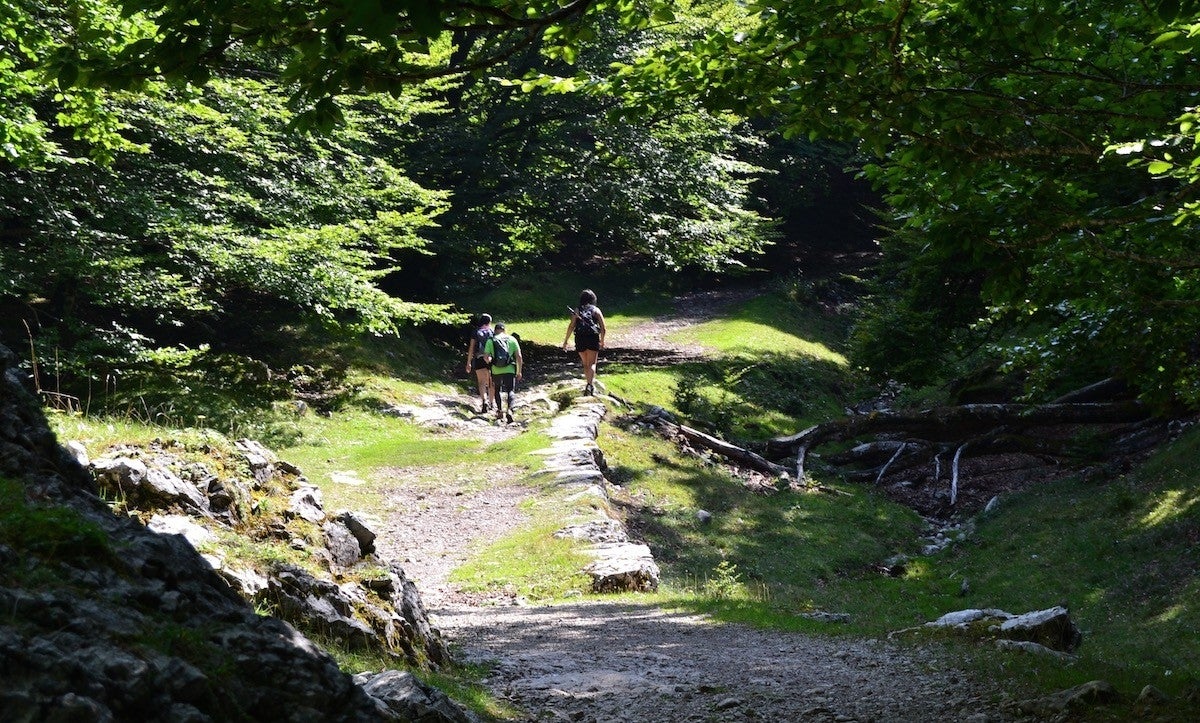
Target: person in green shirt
x=503, y=354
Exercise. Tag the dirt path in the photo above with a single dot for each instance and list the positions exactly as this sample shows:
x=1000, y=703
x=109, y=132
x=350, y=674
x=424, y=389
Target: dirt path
x=599, y=661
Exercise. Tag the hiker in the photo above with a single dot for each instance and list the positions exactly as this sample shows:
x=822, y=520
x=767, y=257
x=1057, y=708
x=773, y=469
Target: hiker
x=478, y=364
x=503, y=353
x=588, y=324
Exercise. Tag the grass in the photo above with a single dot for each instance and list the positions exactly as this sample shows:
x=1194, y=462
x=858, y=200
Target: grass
x=1122, y=553
x=46, y=535
x=531, y=563
x=783, y=545
x=772, y=367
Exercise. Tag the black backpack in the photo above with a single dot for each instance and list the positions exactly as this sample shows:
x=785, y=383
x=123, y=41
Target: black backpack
x=482, y=334
x=585, y=323
x=501, y=355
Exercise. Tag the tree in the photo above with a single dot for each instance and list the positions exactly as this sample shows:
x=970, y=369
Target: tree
x=1003, y=137
x=542, y=172
x=224, y=227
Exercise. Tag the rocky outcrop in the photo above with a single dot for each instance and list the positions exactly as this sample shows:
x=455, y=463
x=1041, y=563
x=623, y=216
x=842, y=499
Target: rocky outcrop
x=1051, y=630
x=260, y=498
x=106, y=619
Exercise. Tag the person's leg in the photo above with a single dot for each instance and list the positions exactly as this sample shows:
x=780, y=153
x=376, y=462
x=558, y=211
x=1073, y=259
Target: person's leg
x=495, y=389
x=483, y=380
x=510, y=386
x=588, y=358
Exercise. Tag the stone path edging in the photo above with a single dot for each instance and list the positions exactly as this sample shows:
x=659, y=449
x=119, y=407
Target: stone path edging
x=577, y=463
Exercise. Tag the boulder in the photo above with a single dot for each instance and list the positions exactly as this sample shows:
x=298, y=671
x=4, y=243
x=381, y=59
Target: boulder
x=147, y=486
x=260, y=459
x=181, y=525
x=596, y=531
x=622, y=567
x=410, y=699
x=1074, y=700
x=342, y=544
x=365, y=535
x=1052, y=628
x=306, y=504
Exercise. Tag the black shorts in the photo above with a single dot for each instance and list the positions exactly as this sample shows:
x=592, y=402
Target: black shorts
x=478, y=363
x=587, y=343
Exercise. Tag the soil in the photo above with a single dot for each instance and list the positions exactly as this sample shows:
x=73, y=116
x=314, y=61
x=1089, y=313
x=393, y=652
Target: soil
x=596, y=660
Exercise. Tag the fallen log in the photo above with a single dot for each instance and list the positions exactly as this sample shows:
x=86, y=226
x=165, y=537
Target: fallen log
x=725, y=449
x=953, y=426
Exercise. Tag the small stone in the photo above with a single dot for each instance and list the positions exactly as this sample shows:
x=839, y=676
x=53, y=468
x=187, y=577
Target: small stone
x=1152, y=696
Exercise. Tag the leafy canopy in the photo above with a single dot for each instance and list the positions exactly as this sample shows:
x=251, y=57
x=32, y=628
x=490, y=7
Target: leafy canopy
x=1039, y=162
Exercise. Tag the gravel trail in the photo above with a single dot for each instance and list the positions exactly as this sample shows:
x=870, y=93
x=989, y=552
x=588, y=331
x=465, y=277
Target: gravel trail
x=598, y=661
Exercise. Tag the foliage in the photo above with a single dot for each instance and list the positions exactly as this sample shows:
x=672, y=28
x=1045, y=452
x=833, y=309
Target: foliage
x=999, y=133
x=542, y=173
x=180, y=263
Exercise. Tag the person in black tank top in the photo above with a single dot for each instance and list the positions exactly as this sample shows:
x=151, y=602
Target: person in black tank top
x=476, y=363
x=587, y=323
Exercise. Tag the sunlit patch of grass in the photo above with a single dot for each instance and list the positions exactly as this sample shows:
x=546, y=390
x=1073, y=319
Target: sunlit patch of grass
x=644, y=387
x=464, y=683
x=361, y=441
x=530, y=562
x=98, y=433
x=1170, y=505
x=770, y=323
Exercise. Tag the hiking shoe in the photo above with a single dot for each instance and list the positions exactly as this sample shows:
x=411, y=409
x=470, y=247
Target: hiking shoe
x=587, y=390
x=508, y=417
x=485, y=409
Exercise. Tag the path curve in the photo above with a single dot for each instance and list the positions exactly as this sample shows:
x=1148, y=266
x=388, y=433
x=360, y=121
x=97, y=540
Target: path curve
x=600, y=661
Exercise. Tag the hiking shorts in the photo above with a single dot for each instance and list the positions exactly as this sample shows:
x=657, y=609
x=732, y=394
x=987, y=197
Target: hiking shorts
x=587, y=343
x=478, y=363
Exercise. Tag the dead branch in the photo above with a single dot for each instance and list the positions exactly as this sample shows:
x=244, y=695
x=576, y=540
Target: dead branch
x=982, y=425
x=725, y=449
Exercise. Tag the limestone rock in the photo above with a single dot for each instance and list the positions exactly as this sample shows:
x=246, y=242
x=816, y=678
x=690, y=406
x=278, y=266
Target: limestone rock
x=146, y=486
x=1052, y=628
x=596, y=531
x=622, y=567
x=260, y=459
x=411, y=699
x=364, y=534
x=79, y=452
x=342, y=544
x=962, y=618
x=181, y=525
x=1081, y=697
x=306, y=504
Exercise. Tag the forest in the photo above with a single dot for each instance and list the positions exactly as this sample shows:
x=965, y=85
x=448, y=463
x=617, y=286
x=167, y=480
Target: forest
x=210, y=212
x=179, y=183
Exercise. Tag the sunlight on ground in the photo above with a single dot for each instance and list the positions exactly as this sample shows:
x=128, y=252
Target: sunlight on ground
x=731, y=335
x=1174, y=504
x=1171, y=613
